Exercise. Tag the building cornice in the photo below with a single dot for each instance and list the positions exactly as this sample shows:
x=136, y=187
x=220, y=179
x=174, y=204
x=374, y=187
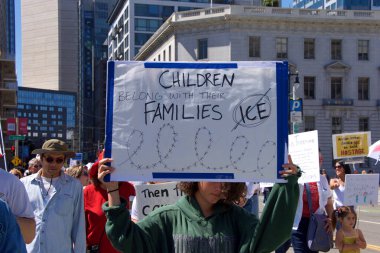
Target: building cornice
x=268, y=18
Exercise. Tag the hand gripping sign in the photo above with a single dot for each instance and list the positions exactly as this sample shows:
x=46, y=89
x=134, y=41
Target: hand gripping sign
x=196, y=121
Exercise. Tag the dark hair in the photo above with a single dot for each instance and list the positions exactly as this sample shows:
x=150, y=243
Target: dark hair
x=342, y=212
x=346, y=167
x=234, y=191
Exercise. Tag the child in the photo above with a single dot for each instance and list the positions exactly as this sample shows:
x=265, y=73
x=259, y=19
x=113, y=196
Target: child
x=205, y=220
x=348, y=239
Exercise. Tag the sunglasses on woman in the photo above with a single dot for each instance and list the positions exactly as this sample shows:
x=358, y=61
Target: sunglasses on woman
x=50, y=159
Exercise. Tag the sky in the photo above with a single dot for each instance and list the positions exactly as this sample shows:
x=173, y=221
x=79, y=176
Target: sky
x=285, y=3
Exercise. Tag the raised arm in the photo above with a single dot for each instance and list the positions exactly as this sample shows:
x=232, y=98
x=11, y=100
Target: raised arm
x=276, y=222
x=125, y=235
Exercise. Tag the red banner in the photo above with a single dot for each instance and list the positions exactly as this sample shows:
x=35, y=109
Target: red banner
x=11, y=126
x=22, y=126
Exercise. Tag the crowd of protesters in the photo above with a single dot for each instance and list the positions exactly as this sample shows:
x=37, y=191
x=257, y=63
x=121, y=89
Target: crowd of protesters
x=47, y=208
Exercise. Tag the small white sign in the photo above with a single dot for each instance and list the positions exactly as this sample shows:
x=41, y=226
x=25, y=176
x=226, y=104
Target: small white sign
x=361, y=190
x=296, y=117
x=152, y=196
x=303, y=147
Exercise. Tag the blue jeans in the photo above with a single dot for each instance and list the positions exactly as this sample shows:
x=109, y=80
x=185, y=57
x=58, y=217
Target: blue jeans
x=284, y=247
x=299, y=237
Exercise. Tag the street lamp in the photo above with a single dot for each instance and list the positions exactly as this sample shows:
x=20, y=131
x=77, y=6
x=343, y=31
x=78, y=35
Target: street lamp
x=296, y=107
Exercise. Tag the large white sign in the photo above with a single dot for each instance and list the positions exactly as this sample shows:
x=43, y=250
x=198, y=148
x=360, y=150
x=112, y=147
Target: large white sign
x=152, y=196
x=361, y=189
x=197, y=121
x=303, y=147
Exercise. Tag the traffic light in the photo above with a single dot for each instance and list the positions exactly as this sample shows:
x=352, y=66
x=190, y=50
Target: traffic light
x=13, y=149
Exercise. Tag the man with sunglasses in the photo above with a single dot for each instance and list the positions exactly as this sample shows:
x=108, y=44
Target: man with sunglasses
x=57, y=200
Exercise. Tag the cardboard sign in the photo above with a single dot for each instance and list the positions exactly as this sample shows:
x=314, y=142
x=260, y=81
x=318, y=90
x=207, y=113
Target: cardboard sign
x=361, y=189
x=197, y=121
x=303, y=147
x=152, y=196
x=351, y=144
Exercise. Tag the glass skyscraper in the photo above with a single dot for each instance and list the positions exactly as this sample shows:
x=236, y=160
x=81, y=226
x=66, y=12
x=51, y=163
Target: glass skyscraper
x=338, y=4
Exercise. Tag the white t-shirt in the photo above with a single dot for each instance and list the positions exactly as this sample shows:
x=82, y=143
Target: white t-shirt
x=13, y=192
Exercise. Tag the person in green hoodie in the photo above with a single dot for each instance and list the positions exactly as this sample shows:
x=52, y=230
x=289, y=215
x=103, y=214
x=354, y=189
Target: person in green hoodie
x=205, y=220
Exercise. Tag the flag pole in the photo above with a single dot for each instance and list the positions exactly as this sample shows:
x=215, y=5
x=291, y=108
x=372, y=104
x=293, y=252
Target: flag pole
x=2, y=147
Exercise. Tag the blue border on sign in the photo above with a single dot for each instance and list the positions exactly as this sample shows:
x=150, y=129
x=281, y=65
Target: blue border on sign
x=173, y=175
x=109, y=112
x=188, y=65
x=282, y=112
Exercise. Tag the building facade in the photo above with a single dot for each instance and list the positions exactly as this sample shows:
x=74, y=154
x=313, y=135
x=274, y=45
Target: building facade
x=133, y=22
x=8, y=79
x=50, y=114
x=337, y=60
x=63, y=50
x=338, y=4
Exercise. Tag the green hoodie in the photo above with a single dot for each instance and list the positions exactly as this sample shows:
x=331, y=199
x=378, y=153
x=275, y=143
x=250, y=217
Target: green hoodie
x=183, y=228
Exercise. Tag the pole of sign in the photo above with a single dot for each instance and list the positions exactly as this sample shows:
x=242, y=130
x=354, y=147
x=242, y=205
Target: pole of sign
x=16, y=141
x=294, y=88
x=3, y=147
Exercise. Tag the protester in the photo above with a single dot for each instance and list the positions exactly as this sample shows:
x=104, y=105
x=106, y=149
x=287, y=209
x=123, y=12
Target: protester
x=16, y=172
x=78, y=172
x=11, y=240
x=13, y=192
x=57, y=200
x=364, y=172
x=250, y=201
x=321, y=198
x=348, y=239
x=324, y=173
x=95, y=195
x=338, y=184
x=205, y=220
x=34, y=166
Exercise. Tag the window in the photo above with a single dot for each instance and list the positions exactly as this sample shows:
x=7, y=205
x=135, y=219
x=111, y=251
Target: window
x=254, y=46
x=309, y=48
x=336, y=49
x=336, y=88
x=141, y=38
x=170, y=53
x=363, y=124
x=376, y=3
x=336, y=125
x=164, y=55
x=147, y=25
x=363, y=88
x=282, y=48
x=202, y=49
x=309, y=87
x=363, y=50
x=309, y=123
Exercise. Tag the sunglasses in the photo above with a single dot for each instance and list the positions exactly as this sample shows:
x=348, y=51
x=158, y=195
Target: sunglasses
x=338, y=166
x=50, y=159
x=37, y=166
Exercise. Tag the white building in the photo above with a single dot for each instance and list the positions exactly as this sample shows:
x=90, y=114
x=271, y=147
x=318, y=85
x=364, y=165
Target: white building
x=132, y=22
x=334, y=52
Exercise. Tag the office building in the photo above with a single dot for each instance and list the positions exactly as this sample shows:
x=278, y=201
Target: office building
x=338, y=4
x=50, y=114
x=337, y=60
x=8, y=79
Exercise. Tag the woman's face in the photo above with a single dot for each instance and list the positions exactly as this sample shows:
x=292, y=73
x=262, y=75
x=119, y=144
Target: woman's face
x=211, y=192
x=339, y=170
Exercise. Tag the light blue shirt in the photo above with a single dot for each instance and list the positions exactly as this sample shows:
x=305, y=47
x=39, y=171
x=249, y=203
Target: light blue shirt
x=60, y=222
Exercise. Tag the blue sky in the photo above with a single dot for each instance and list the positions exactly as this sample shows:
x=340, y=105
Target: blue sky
x=285, y=3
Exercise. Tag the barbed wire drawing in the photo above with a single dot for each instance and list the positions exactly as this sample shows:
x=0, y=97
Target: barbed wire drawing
x=203, y=144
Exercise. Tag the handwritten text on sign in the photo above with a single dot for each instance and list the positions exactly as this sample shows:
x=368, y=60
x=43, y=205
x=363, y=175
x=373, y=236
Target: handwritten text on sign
x=361, y=190
x=152, y=196
x=303, y=148
x=351, y=144
x=193, y=121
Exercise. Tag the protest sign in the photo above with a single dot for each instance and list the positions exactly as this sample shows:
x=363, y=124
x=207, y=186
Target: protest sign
x=197, y=121
x=351, y=144
x=152, y=196
x=303, y=147
x=361, y=189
